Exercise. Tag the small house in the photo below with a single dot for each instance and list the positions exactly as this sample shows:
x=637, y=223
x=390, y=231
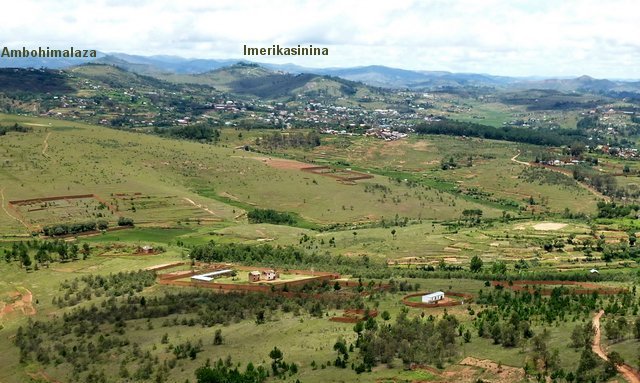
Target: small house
x=269, y=275
x=433, y=297
x=594, y=271
x=254, y=276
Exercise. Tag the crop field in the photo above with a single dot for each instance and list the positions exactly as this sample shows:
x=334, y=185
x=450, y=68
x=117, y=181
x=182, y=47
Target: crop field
x=72, y=208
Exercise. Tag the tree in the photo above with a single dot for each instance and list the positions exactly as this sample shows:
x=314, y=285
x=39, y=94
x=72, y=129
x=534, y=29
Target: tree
x=358, y=328
x=385, y=315
x=26, y=260
x=125, y=221
x=393, y=233
x=582, y=336
x=615, y=358
x=74, y=251
x=499, y=267
x=260, y=317
x=276, y=355
x=217, y=338
x=588, y=361
x=476, y=264
x=467, y=336
x=577, y=148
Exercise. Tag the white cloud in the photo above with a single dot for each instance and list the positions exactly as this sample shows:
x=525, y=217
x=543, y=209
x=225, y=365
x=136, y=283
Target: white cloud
x=539, y=37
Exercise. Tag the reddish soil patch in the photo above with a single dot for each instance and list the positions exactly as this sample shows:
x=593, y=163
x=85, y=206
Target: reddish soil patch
x=19, y=303
x=354, y=316
x=584, y=287
x=280, y=163
x=446, y=302
x=502, y=373
x=43, y=376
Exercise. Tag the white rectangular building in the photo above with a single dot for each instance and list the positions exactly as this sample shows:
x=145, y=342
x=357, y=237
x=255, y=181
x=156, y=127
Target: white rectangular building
x=433, y=297
x=208, y=277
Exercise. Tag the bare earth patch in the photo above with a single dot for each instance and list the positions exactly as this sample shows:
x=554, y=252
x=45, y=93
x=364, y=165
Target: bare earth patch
x=549, y=226
x=279, y=163
x=504, y=374
x=19, y=302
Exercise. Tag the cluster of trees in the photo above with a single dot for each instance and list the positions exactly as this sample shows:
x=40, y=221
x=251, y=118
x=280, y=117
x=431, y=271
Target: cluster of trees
x=618, y=328
x=448, y=164
x=537, y=137
x=187, y=349
x=125, y=221
x=73, y=228
x=279, y=366
x=516, y=311
x=604, y=183
x=282, y=256
x=45, y=252
x=13, y=128
x=614, y=210
x=621, y=250
x=591, y=368
x=227, y=373
x=197, y=132
x=509, y=323
x=472, y=216
x=270, y=216
x=89, y=286
x=413, y=340
x=278, y=140
x=540, y=175
x=588, y=122
x=72, y=339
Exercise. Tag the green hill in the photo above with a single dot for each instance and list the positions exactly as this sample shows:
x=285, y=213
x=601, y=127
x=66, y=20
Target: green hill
x=254, y=80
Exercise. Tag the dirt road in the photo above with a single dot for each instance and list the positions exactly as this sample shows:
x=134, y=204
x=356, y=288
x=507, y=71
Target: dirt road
x=628, y=372
x=199, y=206
x=519, y=162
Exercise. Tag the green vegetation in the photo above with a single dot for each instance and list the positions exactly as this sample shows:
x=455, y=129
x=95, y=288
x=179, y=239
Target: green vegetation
x=134, y=184
x=536, y=137
x=270, y=216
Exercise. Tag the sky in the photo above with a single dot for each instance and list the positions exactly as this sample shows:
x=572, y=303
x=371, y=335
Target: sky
x=512, y=38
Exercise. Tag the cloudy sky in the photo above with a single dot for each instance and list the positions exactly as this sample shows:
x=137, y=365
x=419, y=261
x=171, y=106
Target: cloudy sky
x=505, y=37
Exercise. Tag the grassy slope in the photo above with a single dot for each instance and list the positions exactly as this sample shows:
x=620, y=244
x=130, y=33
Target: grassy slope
x=87, y=159
x=492, y=170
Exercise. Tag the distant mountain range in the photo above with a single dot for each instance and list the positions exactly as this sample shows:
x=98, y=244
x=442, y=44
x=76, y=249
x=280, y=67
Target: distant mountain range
x=374, y=75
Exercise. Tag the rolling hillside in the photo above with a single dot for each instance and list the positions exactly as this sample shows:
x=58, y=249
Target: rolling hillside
x=255, y=80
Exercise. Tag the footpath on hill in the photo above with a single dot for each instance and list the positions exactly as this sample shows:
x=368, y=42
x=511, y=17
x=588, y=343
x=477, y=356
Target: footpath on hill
x=628, y=372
